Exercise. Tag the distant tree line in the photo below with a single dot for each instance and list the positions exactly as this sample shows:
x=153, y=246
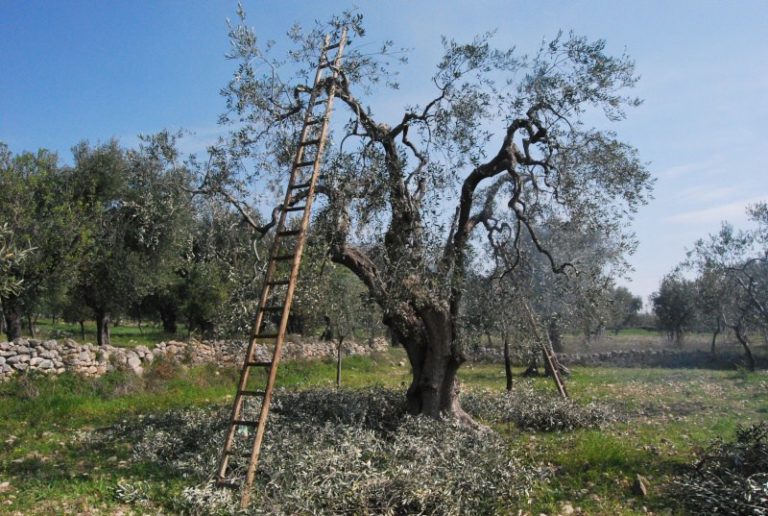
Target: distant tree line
x=124, y=234
x=121, y=234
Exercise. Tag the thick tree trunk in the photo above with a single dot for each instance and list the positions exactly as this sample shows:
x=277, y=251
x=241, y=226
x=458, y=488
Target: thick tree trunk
x=742, y=338
x=102, y=328
x=434, y=389
x=168, y=318
x=31, y=325
x=507, y=362
x=82, y=330
x=12, y=313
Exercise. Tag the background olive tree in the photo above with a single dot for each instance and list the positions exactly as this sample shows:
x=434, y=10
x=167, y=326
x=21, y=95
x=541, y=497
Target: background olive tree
x=733, y=277
x=675, y=306
x=42, y=234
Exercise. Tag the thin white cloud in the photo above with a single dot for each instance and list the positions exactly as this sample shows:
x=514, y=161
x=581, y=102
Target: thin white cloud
x=197, y=141
x=686, y=169
x=732, y=212
x=707, y=193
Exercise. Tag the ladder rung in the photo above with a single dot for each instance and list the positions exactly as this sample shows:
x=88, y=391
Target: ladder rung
x=251, y=393
x=241, y=422
x=299, y=186
x=316, y=117
x=235, y=453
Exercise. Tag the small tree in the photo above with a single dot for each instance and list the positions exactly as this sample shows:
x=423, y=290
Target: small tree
x=675, y=306
x=623, y=308
x=733, y=265
x=331, y=297
x=42, y=230
x=711, y=302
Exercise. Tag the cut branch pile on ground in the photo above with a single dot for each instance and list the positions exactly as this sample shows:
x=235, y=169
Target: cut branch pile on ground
x=730, y=477
x=529, y=409
x=348, y=451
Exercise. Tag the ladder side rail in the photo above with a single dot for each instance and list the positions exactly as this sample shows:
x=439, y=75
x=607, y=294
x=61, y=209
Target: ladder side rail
x=265, y=291
x=301, y=240
x=298, y=250
x=546, y=348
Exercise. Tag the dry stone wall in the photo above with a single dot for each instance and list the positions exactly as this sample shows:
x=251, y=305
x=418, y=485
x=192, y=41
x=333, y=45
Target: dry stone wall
x=671, y=358
x=55, y=357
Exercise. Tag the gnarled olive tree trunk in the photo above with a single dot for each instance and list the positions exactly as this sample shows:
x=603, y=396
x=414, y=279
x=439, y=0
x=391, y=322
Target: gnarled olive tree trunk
x=429, y=341
x=744, y=341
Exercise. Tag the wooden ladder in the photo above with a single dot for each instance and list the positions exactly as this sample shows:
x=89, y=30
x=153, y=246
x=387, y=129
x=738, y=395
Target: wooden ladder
x=250, y=409
x=549, y=353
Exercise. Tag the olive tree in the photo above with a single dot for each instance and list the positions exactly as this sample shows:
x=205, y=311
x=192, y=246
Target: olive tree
x=675, y=306
x=404, y=201
x=733, y=271
x=623, y=308
x=40, y=232
x=527, y=291
x=138, y=213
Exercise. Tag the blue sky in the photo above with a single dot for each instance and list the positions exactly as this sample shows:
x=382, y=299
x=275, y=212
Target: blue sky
x=100, y=69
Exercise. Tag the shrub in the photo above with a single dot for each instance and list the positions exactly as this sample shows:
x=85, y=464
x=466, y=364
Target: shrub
x=160, y=372
x=730, y=477
x=117, y=383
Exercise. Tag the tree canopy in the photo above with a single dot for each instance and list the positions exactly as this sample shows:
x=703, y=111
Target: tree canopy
x=501, y=150
x=733, y=276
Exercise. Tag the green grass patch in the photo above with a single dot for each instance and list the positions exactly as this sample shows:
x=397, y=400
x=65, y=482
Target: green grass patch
x=128, y=334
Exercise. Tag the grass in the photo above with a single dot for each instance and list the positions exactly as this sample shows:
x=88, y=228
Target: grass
x=668, y=415
x=124, y=335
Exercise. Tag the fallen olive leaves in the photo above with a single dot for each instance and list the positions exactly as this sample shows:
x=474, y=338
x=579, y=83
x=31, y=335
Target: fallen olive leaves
x=357, y=452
